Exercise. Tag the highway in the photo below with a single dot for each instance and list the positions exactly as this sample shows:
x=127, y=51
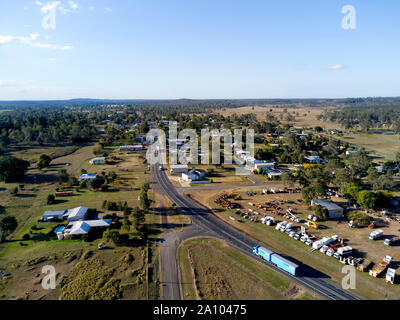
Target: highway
x=205, y=224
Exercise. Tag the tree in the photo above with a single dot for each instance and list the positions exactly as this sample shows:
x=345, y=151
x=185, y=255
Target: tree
x=321, y=213
x=12, y=169
x=51, y=199
x=62, y=176
x=351, y=191
x=43, y=162
x=7, y=224
x=367, y=199
x=113, y=236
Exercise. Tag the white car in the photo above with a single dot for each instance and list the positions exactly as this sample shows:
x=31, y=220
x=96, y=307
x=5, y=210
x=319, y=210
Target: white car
x=330, y=252
x=309, y=242
x=324, y=249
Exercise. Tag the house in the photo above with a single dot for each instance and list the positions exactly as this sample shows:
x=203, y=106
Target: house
x=194, y=175
x=77, y=214
x=55, y=215
x=179, y=168
x=264, y=165
x=132, y=148
x=313, y=159
x=79, y=228
x=334, y=210
x=191, y=176
x=274, y=174
x=87, y=177
x=99, y=160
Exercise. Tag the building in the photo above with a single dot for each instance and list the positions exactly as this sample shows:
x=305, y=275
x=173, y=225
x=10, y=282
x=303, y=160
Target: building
x=334, y=210
x=132, y=148
x=79, y=228
x=87, y=177
x=191, y=176
x=55, y=215
x=64, y=194
x=194, y=175
x=313, y=159
x=264, y=165
x=99, y=160
x=274, y=174
x=350, y=152
x=179, y=168
x=77, y=214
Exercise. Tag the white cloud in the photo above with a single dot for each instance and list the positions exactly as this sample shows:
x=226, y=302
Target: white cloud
x=91, y=8
x=72, y=4
x=30, y=41
x=57, y=5
x=34, y=36
x=14, y=83
x=338, y=67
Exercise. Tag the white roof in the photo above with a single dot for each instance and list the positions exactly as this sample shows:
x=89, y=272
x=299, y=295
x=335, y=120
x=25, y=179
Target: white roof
x=98, y=223
x=178, y=166
x=79, y=227
x=78, y=212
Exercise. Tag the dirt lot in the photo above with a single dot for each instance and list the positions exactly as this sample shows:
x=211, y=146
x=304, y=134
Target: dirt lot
x=212, y=270
x=367, y=286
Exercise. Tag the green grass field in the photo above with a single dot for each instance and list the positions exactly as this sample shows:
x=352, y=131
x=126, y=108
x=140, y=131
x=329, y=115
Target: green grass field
x=30, y=204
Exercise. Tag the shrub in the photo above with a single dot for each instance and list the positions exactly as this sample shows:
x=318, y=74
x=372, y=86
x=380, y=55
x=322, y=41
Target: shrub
x=51, y=199
x=14, y=191
x=26, y=237
x=359, y=218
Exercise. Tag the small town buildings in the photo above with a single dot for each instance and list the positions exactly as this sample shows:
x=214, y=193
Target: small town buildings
x=79, y=228
x=53, y=215
x=87, y=177
x=350, y=152
x=334, y=210
x=194, y=175
x=274, y=174
x=178, y=168
x=99, y=160
x=264, y=165
x=313, y=159
x=132, y=148
x=77, y=214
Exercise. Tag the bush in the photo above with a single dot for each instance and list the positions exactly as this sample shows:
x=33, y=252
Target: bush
x=359, y=218
x=26, y=237
x=14, y=191
x=105, y=187
x=51, y=199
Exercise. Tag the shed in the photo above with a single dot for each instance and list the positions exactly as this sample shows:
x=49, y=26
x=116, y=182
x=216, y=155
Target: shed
x=334, y=210
x=55, y=215
x=179, y=168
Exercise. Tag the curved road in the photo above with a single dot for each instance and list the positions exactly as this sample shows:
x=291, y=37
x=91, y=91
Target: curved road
x=205, y=223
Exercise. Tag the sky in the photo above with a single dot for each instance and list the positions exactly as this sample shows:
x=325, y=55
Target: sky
x=203, y=49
